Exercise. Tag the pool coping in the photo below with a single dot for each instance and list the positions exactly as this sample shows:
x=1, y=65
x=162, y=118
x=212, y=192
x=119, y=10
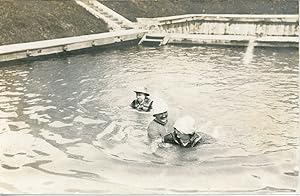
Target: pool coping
x=54, y=46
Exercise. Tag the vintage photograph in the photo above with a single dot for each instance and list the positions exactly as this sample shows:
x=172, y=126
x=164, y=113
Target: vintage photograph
x=149, y=97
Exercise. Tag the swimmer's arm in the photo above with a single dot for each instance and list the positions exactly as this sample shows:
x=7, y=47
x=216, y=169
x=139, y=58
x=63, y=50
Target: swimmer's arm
x=154, y=136
x=155, y=144
x=162, y=142
x=168, y=139
x=153, y=133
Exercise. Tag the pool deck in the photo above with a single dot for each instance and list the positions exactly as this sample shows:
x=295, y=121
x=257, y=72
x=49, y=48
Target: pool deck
x=208, y=29
x=46, y=47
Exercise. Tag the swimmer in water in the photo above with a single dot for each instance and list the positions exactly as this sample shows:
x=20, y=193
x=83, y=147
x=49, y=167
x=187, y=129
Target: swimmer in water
x=185, y=135
x=159, y=126
x=142, y=101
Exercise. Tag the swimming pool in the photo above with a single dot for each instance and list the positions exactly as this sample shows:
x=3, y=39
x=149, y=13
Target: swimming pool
x=66, y=127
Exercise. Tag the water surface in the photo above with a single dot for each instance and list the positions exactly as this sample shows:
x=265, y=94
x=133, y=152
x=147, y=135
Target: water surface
x=65, y=124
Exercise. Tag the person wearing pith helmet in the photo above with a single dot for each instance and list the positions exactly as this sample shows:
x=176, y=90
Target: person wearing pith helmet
x=159, y=126
x=185, y=135
x=142, y=101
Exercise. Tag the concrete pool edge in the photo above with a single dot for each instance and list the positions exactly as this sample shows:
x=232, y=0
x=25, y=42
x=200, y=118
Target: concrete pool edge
x=223, y=29
x=233, y=40
x=44, y=48
x=62, y=45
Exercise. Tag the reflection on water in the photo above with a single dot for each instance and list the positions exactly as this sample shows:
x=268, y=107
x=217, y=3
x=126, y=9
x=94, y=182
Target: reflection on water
x=66, y=127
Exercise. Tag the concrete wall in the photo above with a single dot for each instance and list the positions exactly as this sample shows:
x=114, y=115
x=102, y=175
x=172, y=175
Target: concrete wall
x=54, y=46
x=249, y=25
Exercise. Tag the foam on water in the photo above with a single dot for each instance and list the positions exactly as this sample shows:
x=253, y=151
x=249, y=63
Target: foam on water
x=57, y=124
x=40, y=118
x=34, y=109
x=56, y=137
x=5, y=99
x=87, y=120
x=8, y=114
x=30, y=95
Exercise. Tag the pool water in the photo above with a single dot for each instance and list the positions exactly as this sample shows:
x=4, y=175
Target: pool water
x=66, y=125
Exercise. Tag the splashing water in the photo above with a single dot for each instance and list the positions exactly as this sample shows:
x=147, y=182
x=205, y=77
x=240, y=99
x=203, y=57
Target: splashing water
x=249, y=51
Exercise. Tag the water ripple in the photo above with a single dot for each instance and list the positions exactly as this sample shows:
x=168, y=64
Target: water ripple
x=69, y=117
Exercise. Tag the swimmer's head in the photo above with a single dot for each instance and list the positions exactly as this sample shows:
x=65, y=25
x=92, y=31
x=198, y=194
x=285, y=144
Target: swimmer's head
x=160, y=111
x=141, y=94
x=184, y=129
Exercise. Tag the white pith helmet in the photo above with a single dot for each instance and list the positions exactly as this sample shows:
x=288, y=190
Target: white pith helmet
x=159, y=106
x=185, y=124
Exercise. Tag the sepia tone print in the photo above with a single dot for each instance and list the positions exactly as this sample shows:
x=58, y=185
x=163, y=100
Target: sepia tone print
x=149, y=97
